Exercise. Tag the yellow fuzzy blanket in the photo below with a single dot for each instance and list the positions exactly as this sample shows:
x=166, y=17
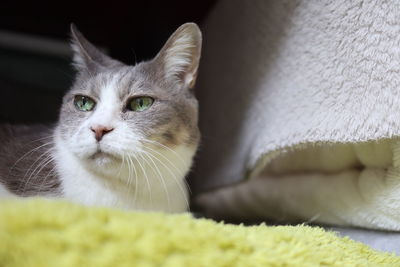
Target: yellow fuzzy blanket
x=45, y=233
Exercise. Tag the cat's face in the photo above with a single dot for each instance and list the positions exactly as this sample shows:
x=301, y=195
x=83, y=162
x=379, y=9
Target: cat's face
x=115, y=111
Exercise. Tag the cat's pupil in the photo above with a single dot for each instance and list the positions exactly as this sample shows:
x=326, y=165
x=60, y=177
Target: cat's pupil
x=141, y=102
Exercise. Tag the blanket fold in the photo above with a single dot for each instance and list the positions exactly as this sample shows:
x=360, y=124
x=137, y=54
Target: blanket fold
x=282, y=77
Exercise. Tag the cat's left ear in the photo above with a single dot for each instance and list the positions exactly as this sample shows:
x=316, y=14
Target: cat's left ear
x=86, y=56
x=180, y=56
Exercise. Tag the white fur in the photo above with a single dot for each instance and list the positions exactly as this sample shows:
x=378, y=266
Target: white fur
x=149, y=182
x=87, y=187
x=77, y=58
x=180, y=56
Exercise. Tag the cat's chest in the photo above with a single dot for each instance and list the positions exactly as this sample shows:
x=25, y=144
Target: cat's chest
x=86, y=188
x=143, y=187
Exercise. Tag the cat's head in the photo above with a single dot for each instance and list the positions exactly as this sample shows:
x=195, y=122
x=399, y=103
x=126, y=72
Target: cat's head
x=116, y=112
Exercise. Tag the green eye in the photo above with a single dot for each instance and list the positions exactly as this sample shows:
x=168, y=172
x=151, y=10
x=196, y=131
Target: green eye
x=140, y=103
x=84, y=103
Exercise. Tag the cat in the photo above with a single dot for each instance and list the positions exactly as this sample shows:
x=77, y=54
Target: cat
x=126, y=135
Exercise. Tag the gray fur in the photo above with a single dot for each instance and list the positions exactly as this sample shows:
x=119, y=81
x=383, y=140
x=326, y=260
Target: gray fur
x=172, y=119
x=26, y=165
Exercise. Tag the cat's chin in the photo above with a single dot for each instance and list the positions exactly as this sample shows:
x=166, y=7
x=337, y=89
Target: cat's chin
x=102, y=160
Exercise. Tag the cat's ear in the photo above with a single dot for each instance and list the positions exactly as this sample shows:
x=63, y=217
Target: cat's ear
x=86, y=56
x=180, y=56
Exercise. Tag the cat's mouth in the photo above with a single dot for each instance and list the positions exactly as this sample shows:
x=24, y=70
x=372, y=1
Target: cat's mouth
x=103, y=155
x=104, y=162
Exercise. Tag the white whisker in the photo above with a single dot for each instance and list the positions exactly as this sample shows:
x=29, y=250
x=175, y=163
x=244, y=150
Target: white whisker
x=29, y=152
x=173, y=176
x=165, y=147
x=158, y=153
x=39, y=167
x=121, y=166
x=51, y=172
x=172, y=164
x=147, y=180
x=161, y=179
x=42, y=138
x=136, y=180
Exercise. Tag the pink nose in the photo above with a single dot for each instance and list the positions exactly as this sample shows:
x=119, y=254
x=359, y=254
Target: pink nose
x=100, y=131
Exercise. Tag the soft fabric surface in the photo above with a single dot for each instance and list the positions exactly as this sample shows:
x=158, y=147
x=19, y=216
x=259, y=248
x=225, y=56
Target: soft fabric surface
x=44, y=233
x=283, y=77
x=349, y=184
x=380, y=240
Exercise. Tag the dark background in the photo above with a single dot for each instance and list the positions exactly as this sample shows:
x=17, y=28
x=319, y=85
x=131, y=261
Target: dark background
x=32, y=84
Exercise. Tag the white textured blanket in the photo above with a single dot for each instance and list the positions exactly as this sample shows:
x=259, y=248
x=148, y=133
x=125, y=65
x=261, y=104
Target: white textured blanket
x=302, y=98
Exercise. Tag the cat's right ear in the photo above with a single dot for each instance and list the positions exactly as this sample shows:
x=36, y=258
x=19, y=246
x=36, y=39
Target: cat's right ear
x=86, y=56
